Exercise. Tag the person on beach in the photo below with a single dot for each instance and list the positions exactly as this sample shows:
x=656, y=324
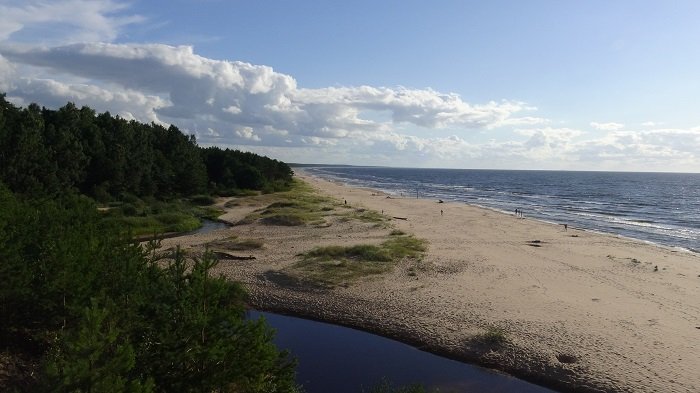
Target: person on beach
x=565, y=227
x=440, y=212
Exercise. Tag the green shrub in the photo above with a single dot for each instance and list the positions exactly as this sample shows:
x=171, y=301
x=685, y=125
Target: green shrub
x=128, y=209
x=202, y=200
x=95, y=356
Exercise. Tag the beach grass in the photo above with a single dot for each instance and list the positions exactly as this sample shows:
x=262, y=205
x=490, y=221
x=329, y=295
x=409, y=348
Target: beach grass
x=335, y=265
x=157, y=224
x=365, y=215
x=494, y=335
x=303, y=205
x=209, y=212
x=149, y=216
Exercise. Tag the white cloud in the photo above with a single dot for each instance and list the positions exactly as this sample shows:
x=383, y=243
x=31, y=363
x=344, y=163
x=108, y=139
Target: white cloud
x=7, y=74
x=130, y=104
x=248, y=133
x=71, y=20
x=607, y=126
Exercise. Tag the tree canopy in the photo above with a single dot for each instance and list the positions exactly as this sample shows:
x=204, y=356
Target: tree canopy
x=47, y=152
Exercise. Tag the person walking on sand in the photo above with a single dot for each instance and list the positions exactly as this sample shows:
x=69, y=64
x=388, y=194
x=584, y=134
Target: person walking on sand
x=440, y=212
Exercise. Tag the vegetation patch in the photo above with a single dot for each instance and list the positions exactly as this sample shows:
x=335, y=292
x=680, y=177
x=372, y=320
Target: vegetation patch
x=370, y=216
x=158, y=224
x=335, y=265
x=494, y=335
x=209, y=212
x=150, y=216
x=202, y=200
x=301, y=205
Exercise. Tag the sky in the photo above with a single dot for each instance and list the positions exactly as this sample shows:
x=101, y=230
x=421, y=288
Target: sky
x=500, y=84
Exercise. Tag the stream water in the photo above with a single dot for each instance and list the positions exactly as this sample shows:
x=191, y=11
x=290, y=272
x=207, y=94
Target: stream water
x=342, y=360
x=209, y=225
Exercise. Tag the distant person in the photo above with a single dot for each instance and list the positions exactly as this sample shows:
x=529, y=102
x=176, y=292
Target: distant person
x=565, y=227
x=440, y=212
x=346, y=201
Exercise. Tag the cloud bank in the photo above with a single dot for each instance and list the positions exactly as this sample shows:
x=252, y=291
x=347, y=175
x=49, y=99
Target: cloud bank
x=185, y=88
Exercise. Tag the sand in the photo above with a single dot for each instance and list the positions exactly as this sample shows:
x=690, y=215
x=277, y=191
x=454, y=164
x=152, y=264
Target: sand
x=580, y=311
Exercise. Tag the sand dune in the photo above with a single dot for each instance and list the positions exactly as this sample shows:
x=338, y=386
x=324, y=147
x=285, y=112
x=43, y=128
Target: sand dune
x=580, y=311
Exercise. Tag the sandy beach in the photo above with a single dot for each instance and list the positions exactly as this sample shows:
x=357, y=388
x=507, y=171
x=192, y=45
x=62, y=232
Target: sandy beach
x=579, y=311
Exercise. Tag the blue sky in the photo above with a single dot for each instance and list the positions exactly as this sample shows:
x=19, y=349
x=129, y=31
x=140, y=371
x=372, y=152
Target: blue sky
x=582, y=85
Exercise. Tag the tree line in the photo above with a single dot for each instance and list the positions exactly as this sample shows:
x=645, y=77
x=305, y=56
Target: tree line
x=47, y=152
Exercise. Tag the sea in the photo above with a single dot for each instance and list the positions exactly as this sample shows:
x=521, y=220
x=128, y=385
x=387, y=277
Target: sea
x=660, y=208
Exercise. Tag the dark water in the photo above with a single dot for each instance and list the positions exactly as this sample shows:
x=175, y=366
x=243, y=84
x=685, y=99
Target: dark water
x=662, y=208
x=210, y=225
x=342, y=360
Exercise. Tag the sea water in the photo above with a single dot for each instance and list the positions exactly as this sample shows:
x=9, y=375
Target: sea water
x=662, y=208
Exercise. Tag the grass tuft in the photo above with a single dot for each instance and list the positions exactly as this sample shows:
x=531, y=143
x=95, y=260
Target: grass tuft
x=494, y=336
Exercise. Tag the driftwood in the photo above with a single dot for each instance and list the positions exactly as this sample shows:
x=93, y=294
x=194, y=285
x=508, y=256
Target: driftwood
x=228, y=255
x=401, y=218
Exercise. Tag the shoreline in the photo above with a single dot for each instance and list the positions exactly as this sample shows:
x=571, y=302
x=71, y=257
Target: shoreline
x=395, y=193
x=582, y=311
